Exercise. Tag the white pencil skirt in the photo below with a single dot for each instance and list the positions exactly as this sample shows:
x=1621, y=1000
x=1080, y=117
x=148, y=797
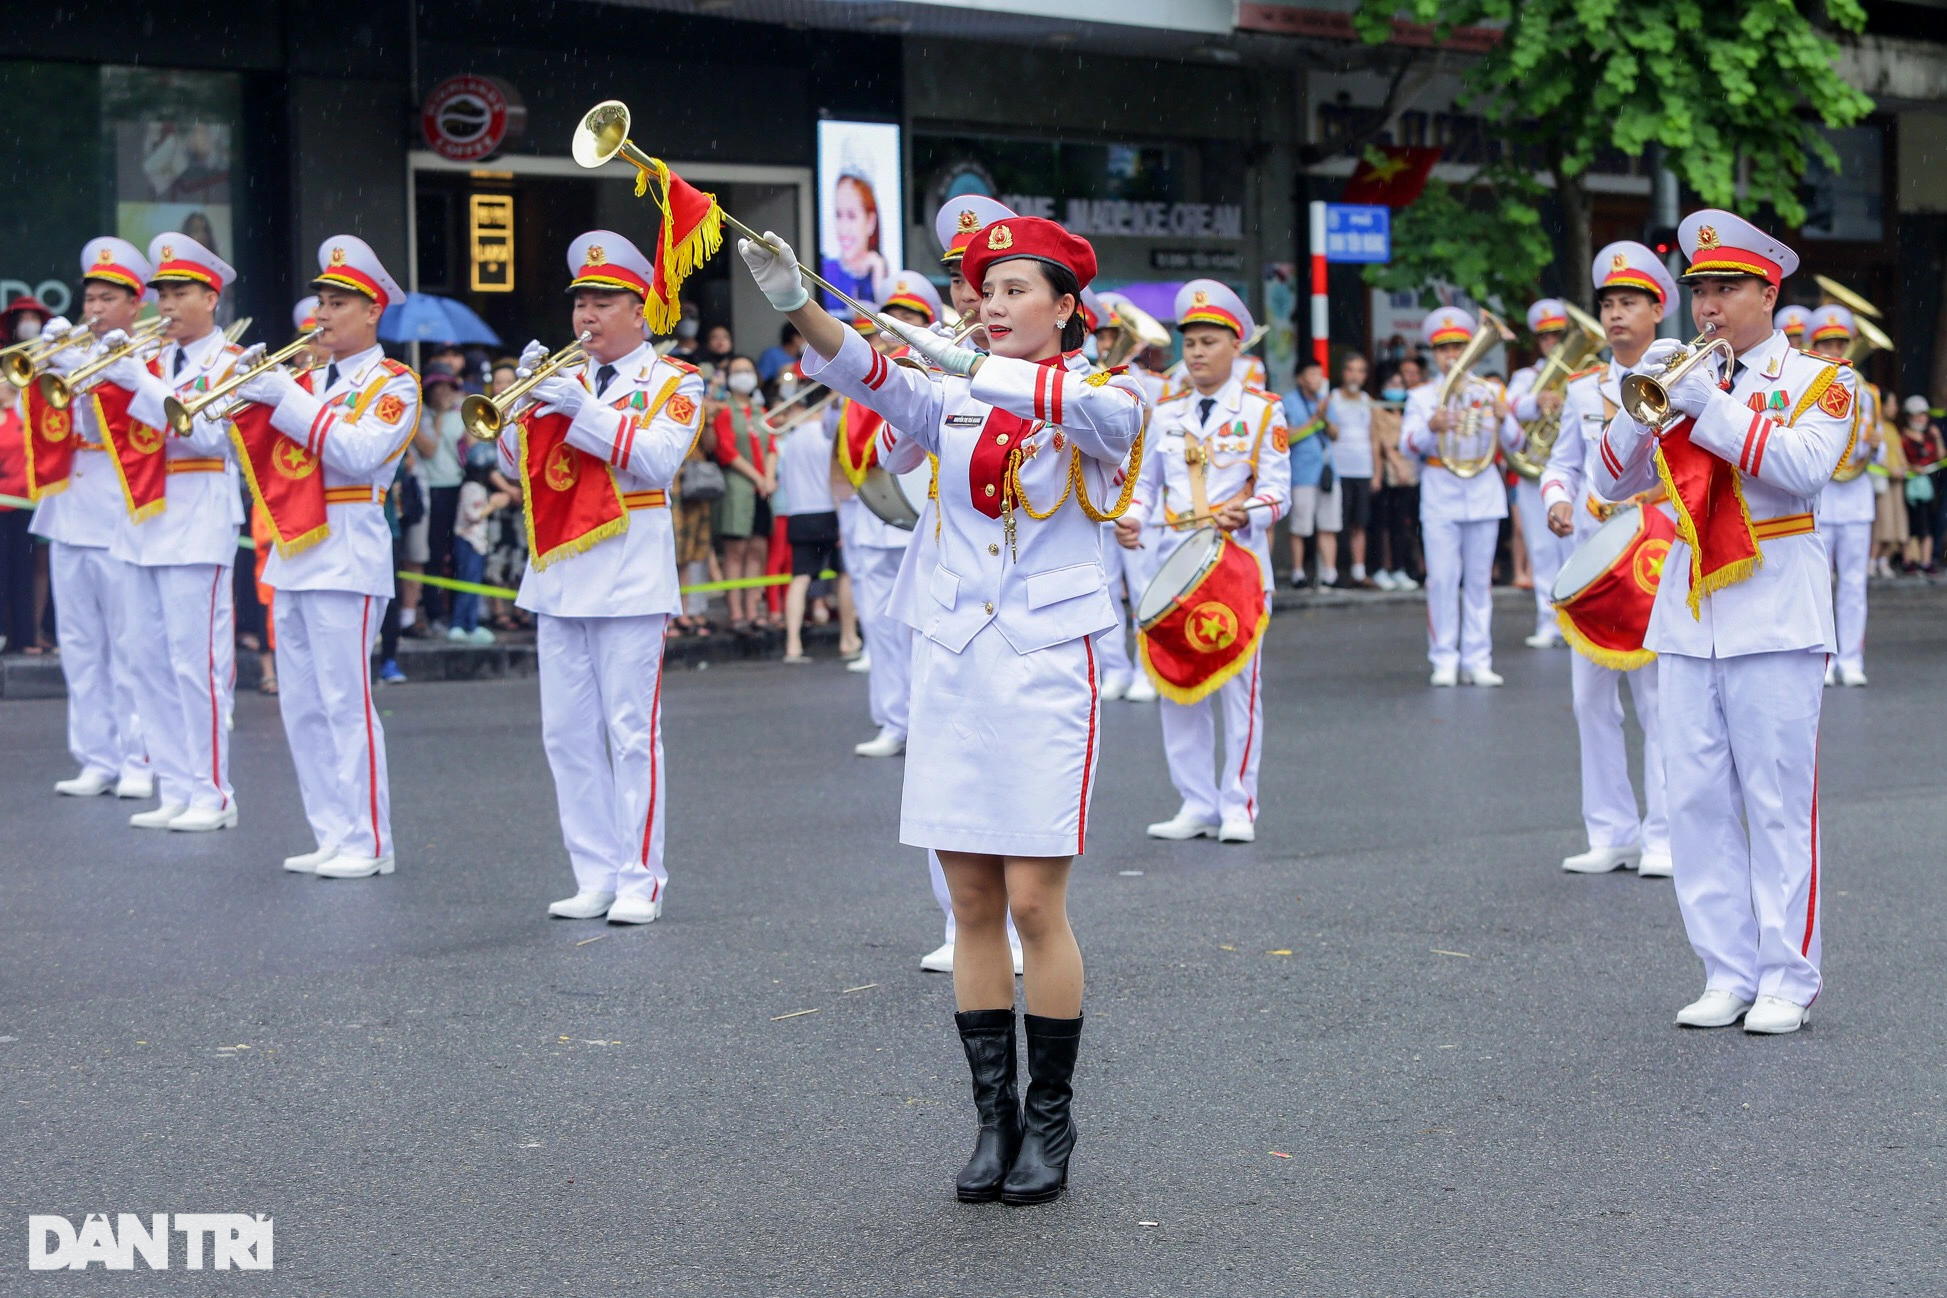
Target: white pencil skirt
x=1001, y=753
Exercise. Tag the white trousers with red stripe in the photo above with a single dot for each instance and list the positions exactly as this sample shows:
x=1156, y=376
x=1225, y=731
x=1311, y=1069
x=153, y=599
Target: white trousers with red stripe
x=1740, y=742
x=179, y=638
x=1851, y=547
x=324, y=689
x=1112, y=645
x=103, y=736
x=888, y=639
x=1190, y=739
x=601, y=722
x=1546, y=551
x=1608, y=801
x=1460, y=591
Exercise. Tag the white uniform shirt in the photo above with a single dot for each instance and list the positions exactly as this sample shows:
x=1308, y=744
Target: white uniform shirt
x=1445, y=496
x=1569, y=476
x=1048, y=586
x=1243, y=434
x=1786, y=604
x=358, y=427
x=199, y=524
x=1352, y=417
x=633, y=574
x=89, y=510
x=1855, y=501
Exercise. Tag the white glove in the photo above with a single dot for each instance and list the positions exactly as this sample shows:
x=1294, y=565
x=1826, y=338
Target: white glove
x=1657, y=357
x=269, y=388
x=562, y=393
x=250, y=357
x=68, y=357
x=1693, y=390
x=531, y=355
x=776, y=271
x=943, y=352
x=57, y=326
x=127, y=372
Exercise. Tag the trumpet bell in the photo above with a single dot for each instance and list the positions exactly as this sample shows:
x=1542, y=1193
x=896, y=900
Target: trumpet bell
x=481, y=417
x=20, y=369
x=603, y=131
x=1645, y=399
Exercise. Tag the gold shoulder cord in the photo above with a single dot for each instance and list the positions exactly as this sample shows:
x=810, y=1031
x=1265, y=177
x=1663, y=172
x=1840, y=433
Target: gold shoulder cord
x=1011, y=492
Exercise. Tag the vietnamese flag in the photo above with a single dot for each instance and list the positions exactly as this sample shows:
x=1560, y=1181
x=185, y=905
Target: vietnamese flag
x=1394, y=180
x=691, y=234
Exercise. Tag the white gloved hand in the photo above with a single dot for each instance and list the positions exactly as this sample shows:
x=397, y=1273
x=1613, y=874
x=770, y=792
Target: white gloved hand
x=56, y=326
x=775, y=268
x=250, y=357
x=1693, y=390
x=531, y=355
x=1657, y=357
x=68, y=357
x=562, y=393
x=127, y=372
x=269, y=388
x=943, y=352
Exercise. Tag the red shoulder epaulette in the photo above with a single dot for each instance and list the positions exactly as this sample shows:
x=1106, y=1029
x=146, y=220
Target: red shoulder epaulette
x=1593, y=369
x=396, y=368
x=684, y=366
x=1821, y=356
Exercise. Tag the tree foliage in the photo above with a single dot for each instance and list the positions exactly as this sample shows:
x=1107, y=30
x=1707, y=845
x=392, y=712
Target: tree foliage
x=1485, y=239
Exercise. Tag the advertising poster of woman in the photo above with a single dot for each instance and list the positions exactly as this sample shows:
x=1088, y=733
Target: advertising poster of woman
x=860, y=214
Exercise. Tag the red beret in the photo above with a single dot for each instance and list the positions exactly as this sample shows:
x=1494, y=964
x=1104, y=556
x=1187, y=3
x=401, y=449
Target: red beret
x=1027, y=236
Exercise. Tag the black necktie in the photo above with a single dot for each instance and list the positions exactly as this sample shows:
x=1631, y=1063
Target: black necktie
x=603, y=377
x=1203, y=410
x=181, y=357
x=331, y=376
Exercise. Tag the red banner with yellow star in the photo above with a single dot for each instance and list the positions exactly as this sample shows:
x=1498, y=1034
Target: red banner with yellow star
x=286, y=479
x=1208, y=631
x=49, y=443
x=136, y=448
x=1606, y=619
x=571, y=497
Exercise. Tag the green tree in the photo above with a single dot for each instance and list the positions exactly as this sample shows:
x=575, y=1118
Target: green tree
x=1734, y=93
x=1484, y=238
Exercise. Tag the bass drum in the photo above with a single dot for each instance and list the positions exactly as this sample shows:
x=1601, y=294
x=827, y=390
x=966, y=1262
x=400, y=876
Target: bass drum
x=1606, y=589
x=896, y=500
x=1201, y=616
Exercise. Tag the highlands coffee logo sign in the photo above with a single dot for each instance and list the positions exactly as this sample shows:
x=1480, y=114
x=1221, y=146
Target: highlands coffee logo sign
x=217, y=1241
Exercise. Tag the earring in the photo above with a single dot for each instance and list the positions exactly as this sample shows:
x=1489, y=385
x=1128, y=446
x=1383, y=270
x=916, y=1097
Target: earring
x=1061, y=324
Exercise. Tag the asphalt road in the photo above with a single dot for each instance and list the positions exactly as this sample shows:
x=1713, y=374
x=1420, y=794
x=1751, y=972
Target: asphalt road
x=1388, y=1049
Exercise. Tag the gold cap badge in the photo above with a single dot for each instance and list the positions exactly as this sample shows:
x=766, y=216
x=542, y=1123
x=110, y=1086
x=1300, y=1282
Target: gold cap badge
x=597, y=255
x=999, y=237
x=168, y=252
x=1619, y=262
x=968, y=221
x=1706, y=237
x=1200, y=298
x=337, y=256
x=105, y=257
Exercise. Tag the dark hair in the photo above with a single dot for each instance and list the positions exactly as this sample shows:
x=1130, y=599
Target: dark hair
x=1064, y=282
x=786, y=334
x=1310, y=363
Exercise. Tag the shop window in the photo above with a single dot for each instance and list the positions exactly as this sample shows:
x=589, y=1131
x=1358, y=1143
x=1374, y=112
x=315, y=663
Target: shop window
x=1850, y=203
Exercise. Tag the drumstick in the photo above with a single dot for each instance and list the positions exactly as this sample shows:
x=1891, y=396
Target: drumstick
x=1211, y=517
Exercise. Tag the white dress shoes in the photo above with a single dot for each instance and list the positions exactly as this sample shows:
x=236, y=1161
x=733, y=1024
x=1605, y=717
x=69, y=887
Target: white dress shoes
x=862, y=663
x=158, y=817
x=199, y=820
x=140, y=787
x=1184, y=825
x=1714, y=1009
x=1543, y=640
x=1444, y=677
x=635, y=909
x=886, y=744
x=308, y=862
x=939, y=959
x=1237, y=831
x=1851, y=676
x=345, y=865
x=1115, y=687
x=88, y=784
x=587, y=904
x=1831, y=674
x=1773, y=1016
x=1654, y=865
x=1141, y=690
x=1601, y=860
x=1481, y=676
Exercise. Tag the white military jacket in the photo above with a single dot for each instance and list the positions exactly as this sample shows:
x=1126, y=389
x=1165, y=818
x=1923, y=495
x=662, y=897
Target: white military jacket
x=1044, y=585
x=358, y=427
x=642, y=431
x=88, y=511
x=1445, y=496
x=1569, y=476
x=1784, y=445
x=1246, y=458
x=204, y=494
x=1854, y=501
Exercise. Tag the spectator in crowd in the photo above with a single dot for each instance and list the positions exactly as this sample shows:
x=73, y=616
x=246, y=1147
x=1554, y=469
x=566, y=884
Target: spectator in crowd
x=1396, y=493
x=747, y=454
x=688, y=328
x=804, y=473
x=477, y=504
x=1304, y=408
x=776, y=359
x=411, y=549
x=1920, y=444
x=1348, y=422
x=1412, y=372
x=438, y=441
x=446, y=358
x=17, y=630
x=1890, y=533
x=399, y=497
x=694, y=517
x=718, y=346
x=507, y=556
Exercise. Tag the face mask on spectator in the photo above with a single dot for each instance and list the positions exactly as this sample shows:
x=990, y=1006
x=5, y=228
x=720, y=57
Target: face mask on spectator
x=743, y=383
x=1393, y=394
x=686, y=329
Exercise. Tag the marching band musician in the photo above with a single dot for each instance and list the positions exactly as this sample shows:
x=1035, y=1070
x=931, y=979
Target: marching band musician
x=1460, y=517
x=1219, y=455
x=1633, y=289
x=1006, y=701
x=179, y=538
x=874, y=548
x=1847, y=506
x=1743, y=617
x=335, y=433
x=1548, y=322
x=77, y=507
x=1790, y=320
x=597, y=454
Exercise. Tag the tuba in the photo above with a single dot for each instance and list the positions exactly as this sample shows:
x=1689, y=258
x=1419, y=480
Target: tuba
x=1140, y=331
x=1867, y=338
x=1573, y=354
x=1458, y=393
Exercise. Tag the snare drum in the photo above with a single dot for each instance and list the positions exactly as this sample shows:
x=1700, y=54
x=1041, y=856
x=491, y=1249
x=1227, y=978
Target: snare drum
x=1201, y=616
x=1606, y=589
x=897, y=500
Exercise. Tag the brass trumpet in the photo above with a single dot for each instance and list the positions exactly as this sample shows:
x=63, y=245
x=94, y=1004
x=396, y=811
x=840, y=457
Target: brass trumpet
x=182, y=414
x=1647, y=399
x=236, y=408
x=484, y=417
x=24, y=360
x=59, y=390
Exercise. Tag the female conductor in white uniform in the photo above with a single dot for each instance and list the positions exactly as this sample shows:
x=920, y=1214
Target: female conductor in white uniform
x=1006, y=697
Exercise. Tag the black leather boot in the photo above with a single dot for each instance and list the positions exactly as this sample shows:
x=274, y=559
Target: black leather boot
x=1040, y=1170
x=988, y=1036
